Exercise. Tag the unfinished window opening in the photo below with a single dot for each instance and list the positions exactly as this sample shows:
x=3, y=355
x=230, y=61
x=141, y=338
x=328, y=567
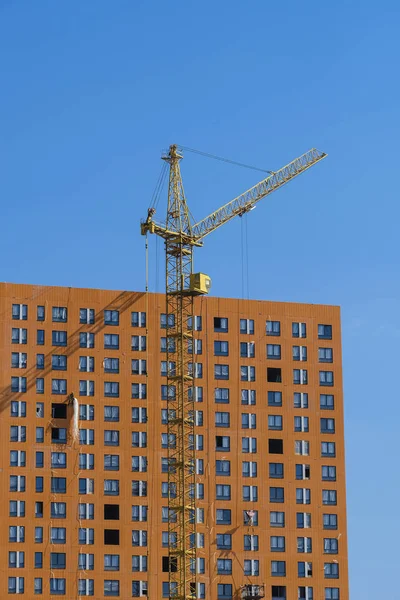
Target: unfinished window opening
x=111, y=512
x=167, y=561
x=275, y=446
x=58, y=411
x=274, y=375
x=111, y=537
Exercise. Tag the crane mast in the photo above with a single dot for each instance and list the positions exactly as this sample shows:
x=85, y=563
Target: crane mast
x=182, y=285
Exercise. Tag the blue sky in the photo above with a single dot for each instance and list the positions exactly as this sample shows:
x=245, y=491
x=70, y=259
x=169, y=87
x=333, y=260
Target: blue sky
x=92, y=92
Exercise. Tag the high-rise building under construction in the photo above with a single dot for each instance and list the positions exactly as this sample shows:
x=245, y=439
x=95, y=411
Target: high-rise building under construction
x=84, y=457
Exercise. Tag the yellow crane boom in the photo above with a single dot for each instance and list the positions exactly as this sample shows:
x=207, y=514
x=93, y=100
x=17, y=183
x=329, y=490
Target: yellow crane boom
x=182, y=285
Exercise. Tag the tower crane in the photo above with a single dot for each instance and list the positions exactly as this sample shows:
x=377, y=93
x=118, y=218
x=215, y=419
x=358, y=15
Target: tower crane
x=181, y=236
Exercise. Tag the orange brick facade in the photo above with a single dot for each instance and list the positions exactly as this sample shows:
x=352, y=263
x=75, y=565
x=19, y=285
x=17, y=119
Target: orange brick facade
x=295, y=468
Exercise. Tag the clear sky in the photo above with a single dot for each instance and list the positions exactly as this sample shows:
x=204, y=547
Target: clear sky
x=92, y=92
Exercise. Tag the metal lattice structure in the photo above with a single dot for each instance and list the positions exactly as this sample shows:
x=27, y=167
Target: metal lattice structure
x=180, y=238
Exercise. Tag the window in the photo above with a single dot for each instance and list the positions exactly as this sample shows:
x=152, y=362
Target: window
x=59, y=314
x=300, y=376
x=305, y=593
x=304, y=545
x=223, y=492
x=139, y=563
x=247, y=373
x=328, y=449
x=324, y=332
x=111, y=562
x=111, y=365
x=40, y=336
x=276, y=494
x=57, y=535
x=328, y=473
x=111, y=462
x=303, y=496
x=16, y=560
x=274, y=398
x=139, y=390
x=86, y=535
x=39, y=435
x=138, y=319
x=139, y=464
x=86, y=511
x=57, y=560
x=111, y=317
x=18, y=360
x=58, y=485
x=274, y=375
x=139, y=415
x=59, y=386
x=111, y=389
x=273, y=351
x=58, y=510
x=326, y=378
x=59, y=338
x=17, y=483
x=222, y=443
x=299, y=353
x=249, y=469
x=139, y=488
x=250, y=493
x=277, y=543
x=277, y=519
x=248, y=397
x=326, y=402
x=19, y=336
x=221, y=395
x=20, y=312
x=138, y=367
x=86, y=562
x=303, y=521
x=332, y=594
x=139, y=439
x=86, y=437
x=331, y=545
x=223, y=516
x=251, y=567
x=304, y=569
x=86, y=316
x=111, y=413
x=111, y=437
x=300, y=400
x=16, y=585
x=325, y=355
x=111, y=341
x=327, y=425
x=249, y=445
x=247, y=349
x=18, y=408
x=275, y=422
x=139, y=538
x=276, y=470
x=222, y=419
x=301, y=424
x=329, y=497
x=221, y=371
x=278, y=568
x=18, y=384
x=331, y=570
x=302, y=447
x=86, y=412
x=59, y=435
x=86, y=340
x=223, y=467
x=58, y=460
x=330, y=521
x=17, y=433
x=275, y=446
x=273, y=328
x=167, y=322
x=111, y=487
x=17, y=508
x=221, y=348
x=220, y=324
x=40, y=313
x=224, y=541
x=139, y=343
x=250, y=542
x=247, y=326
x=224, y=566
x=249, y=421
x=16, y=533
x=299, y=330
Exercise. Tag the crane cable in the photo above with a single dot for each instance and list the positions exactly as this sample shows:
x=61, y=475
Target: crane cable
x=227, y=160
